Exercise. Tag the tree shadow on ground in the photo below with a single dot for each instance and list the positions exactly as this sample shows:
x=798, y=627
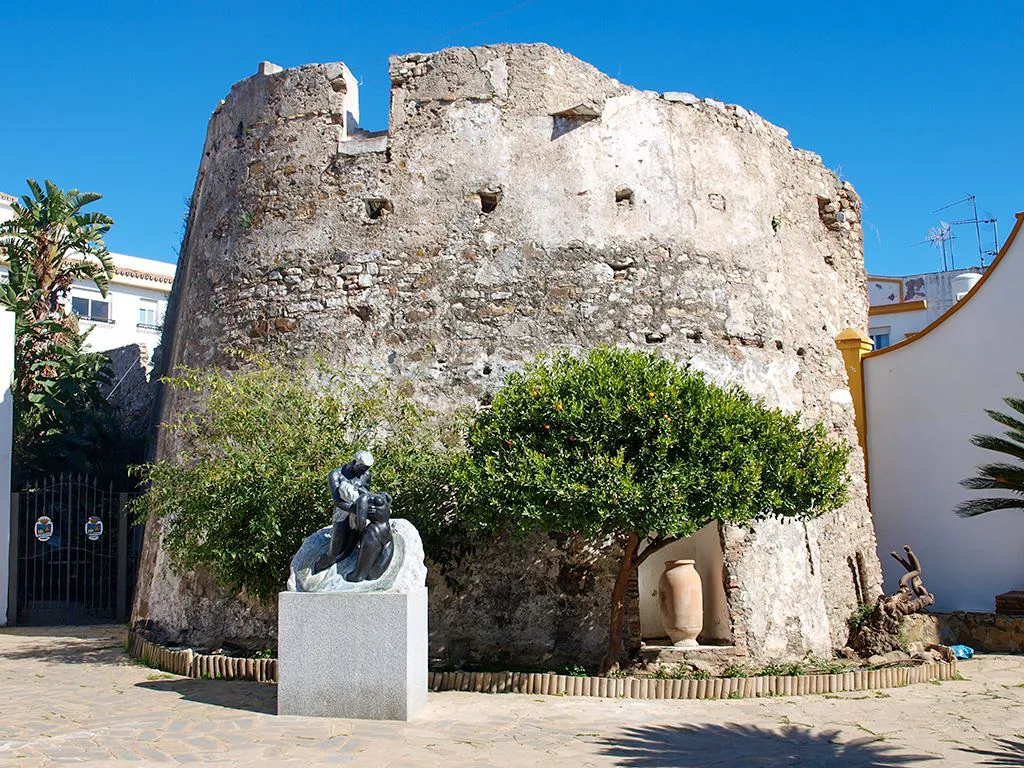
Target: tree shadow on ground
x=230, y=694
x=663, y=746
x=65, y=645
x=1007, y=752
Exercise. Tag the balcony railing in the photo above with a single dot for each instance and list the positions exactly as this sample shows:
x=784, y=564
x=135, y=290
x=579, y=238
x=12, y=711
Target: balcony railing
x=149, y=327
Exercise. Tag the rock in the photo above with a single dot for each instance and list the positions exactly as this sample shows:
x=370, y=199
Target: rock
x=848, y=653
x=896, y=656
x=876, y=660
x=681, y=97
x=702, y=666
x=406, y=572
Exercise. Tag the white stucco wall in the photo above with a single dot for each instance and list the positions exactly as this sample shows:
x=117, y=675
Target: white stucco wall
x=924, y=401
x=6, y=435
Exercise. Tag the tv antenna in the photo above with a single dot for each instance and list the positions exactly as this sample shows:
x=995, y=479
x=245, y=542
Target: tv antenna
x=937, y=238
x=972, y=201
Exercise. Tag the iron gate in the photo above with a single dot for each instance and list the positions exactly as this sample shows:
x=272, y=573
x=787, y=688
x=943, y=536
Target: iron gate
x=74, y=553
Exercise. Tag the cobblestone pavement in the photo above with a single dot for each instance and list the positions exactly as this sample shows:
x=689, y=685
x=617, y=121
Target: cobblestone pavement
x=71, y=695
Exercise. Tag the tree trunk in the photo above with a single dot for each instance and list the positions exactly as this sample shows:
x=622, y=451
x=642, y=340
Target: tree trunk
x=618, y=608
x=880, y=631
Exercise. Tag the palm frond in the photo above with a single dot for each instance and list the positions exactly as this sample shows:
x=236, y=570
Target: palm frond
x=999, y=476
x=1014, y=447
x=974, y=507
x=1007, y=421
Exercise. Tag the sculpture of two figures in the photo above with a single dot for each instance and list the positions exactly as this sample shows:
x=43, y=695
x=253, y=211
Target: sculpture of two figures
x=360, y=523
x=363, y=550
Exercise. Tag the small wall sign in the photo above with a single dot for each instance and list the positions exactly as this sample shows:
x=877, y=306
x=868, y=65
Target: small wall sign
x=93, y=528
x=44, y=528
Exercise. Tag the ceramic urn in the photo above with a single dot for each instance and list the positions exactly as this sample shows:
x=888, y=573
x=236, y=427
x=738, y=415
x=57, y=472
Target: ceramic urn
x=682, y=602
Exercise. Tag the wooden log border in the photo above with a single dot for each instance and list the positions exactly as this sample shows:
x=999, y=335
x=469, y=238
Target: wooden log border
x=188, y=663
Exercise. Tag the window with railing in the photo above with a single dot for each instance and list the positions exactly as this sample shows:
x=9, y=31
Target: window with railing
x=149, y=316
x=93, y=310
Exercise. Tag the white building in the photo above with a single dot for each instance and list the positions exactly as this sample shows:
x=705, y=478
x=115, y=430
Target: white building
x=919, y=401
x=133, y=310
x=903, y=306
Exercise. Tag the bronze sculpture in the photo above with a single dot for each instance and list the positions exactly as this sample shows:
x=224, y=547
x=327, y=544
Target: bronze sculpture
x=360, y=523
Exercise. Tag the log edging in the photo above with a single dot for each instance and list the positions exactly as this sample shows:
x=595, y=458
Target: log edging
x=188, y=663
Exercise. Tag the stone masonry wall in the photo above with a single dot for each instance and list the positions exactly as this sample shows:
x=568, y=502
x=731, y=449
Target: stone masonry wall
x=522, y=201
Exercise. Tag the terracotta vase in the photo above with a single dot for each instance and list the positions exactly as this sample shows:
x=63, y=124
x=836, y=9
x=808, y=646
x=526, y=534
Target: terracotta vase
x=682, y=602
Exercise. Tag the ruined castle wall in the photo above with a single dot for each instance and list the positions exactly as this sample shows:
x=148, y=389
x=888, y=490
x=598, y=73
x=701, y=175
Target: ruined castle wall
x=522, y=201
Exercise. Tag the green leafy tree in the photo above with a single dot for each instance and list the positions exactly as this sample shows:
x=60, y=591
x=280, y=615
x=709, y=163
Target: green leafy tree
x=48, y=244
x=631, y=446
x=249, y=479
x=1003, y=475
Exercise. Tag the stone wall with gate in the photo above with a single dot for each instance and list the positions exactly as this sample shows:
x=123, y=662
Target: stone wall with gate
x=523, y=201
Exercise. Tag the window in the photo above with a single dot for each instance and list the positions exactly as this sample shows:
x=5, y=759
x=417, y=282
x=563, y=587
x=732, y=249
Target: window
x=149, y=317
x=96, y=310
x=880, y=337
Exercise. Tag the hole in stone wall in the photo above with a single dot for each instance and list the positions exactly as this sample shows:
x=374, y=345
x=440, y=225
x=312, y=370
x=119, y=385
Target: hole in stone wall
x=487, y=369
x=807, y=546
x=376, y=207
x=829, y=214
x=624, y=197
x=862, y=579
x=855, y=573
x=489, y=200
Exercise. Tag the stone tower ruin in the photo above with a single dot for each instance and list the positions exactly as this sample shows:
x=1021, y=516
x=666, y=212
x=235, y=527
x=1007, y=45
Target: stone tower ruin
x=522, y=201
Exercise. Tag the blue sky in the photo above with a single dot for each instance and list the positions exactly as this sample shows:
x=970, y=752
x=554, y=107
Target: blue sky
x=916, y=104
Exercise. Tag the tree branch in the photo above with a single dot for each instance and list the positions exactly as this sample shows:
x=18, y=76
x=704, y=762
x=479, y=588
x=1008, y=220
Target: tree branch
x=654, y=546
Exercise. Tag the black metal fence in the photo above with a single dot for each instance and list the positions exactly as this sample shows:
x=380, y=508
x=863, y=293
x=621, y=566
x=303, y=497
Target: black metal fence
x=74, y=553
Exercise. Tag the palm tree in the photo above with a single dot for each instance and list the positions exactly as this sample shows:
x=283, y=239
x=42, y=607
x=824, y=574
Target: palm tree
x=49, y=244
x=1003, y=475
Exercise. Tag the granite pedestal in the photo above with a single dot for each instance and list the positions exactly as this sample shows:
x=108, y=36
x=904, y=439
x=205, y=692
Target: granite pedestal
x=353, y=655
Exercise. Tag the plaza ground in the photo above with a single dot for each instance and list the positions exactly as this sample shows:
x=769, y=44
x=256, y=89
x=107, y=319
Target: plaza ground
x=70, y=695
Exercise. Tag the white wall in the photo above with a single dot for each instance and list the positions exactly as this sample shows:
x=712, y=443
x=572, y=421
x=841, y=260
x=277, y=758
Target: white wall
x=124, y=297
x=705, y=547
x=124, y=302
x=6, y=435
x=923, y=402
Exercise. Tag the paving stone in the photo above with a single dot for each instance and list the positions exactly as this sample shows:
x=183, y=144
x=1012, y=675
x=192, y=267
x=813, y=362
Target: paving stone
x=57, y=711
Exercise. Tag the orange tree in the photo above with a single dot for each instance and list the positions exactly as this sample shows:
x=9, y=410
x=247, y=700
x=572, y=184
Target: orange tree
x=631, y=445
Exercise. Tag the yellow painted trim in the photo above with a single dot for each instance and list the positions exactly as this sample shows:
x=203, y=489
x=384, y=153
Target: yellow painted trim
x=956, y=307
x=854, y=345
x=897, y=280
x=892, y=309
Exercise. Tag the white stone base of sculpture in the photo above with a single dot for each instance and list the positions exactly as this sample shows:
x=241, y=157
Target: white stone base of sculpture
x=355, y=655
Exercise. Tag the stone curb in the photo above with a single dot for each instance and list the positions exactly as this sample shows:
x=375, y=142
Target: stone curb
x=190, y=664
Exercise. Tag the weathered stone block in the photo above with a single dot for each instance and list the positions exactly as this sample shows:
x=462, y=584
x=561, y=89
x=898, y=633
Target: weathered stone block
x=354, y=655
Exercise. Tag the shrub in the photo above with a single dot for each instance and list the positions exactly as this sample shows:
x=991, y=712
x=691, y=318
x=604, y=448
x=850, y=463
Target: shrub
x=630, y=445
x=249, y=478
